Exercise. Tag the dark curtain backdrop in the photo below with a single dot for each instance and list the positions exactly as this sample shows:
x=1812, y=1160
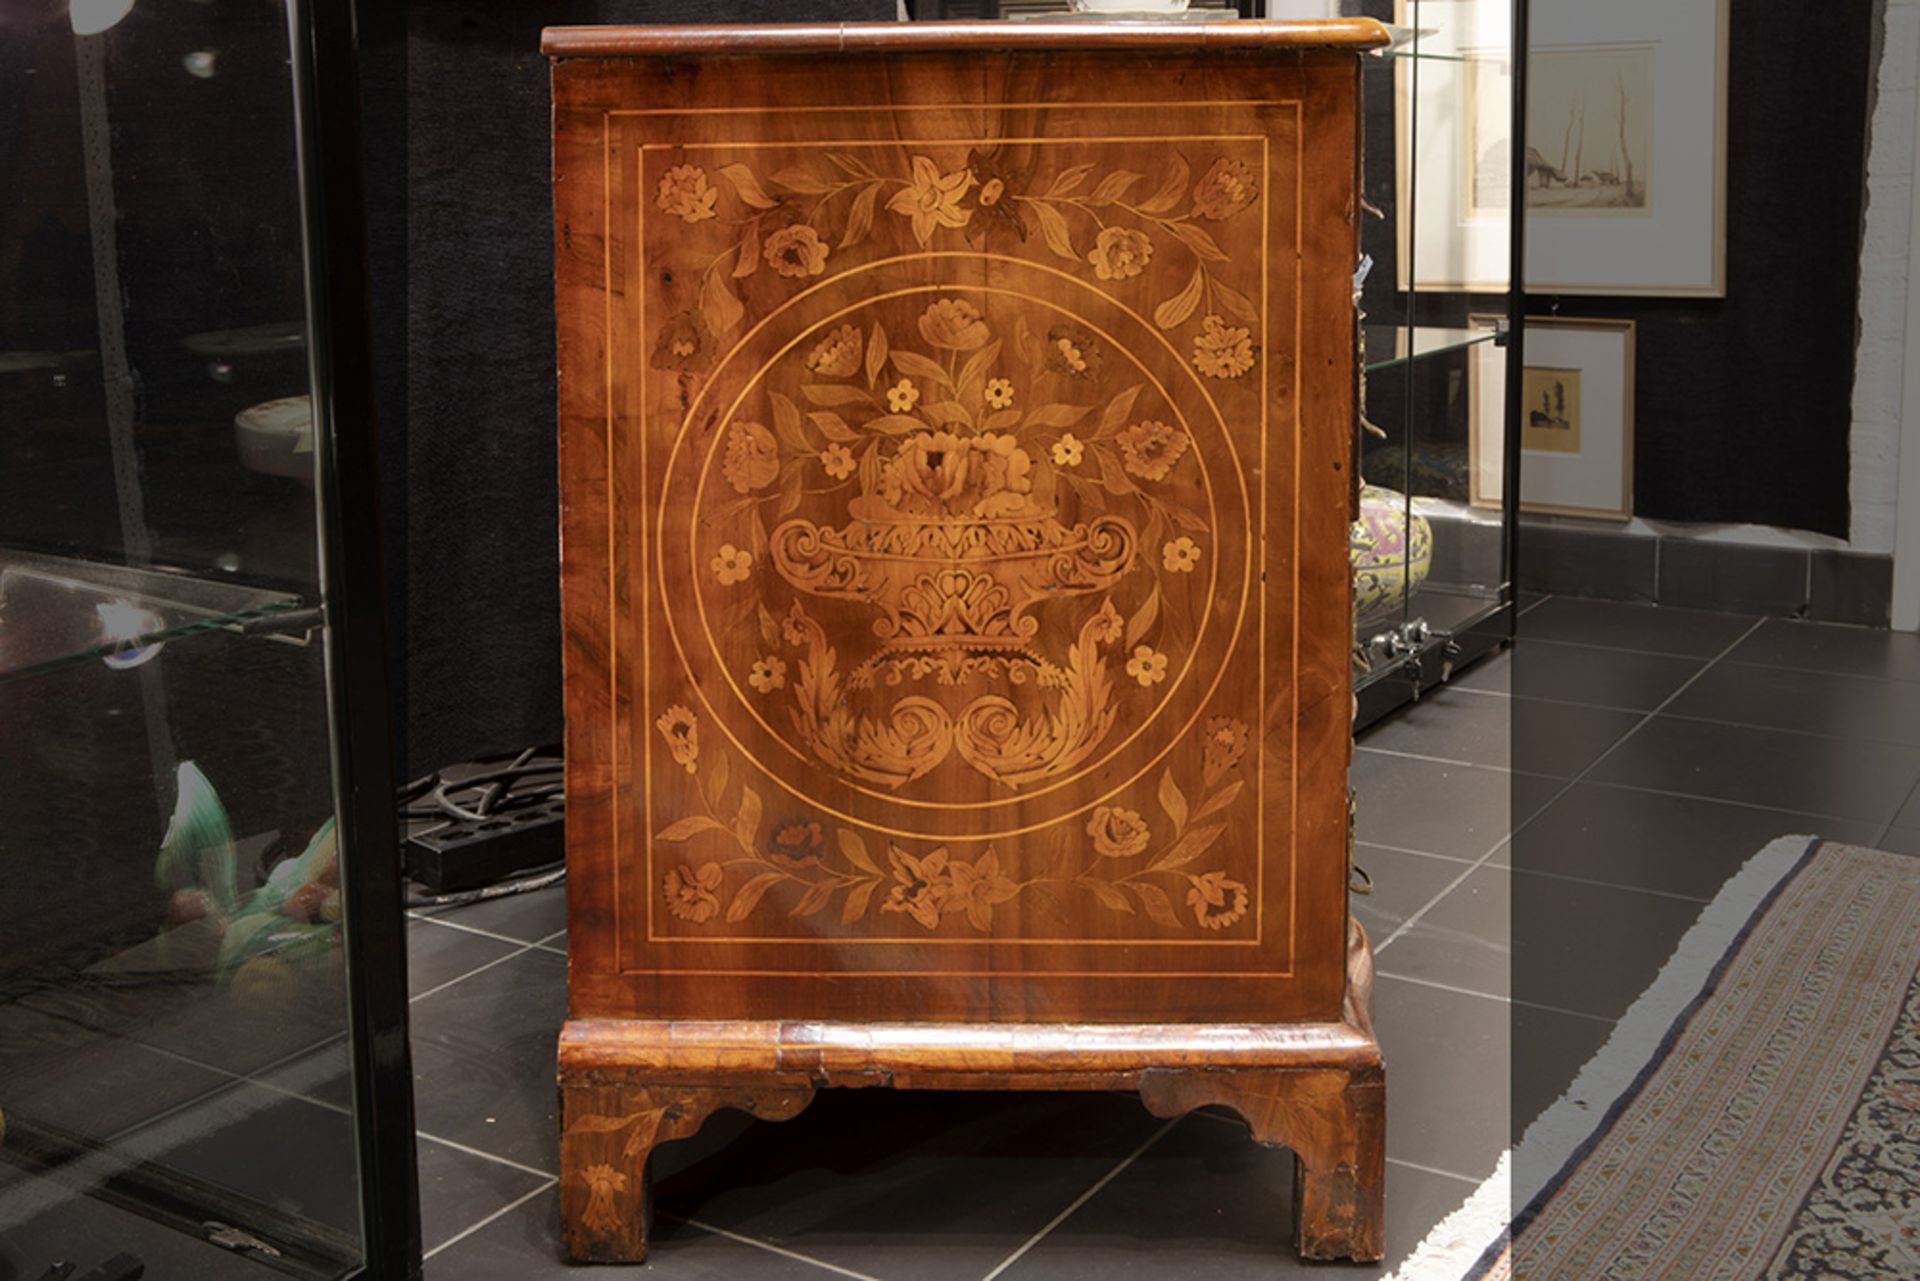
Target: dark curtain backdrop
x=457, y=126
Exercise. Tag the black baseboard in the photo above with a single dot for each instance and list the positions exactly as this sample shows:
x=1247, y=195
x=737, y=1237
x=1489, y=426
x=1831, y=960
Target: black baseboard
x=1826, y=586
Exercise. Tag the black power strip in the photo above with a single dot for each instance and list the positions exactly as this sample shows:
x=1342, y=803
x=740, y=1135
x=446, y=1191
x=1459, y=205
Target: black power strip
x=485, y=822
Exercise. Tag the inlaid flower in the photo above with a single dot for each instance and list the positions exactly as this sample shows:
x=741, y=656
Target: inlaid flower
x=752, y=459
x=694, y=895
x=1225, y=189
x=796, y=843
x=682, y=731
x=941, y=474
x=1221, y=350
x=838, y=460
x=1108, y=624
x=977, y=887
x=1072, y=351
x=731, y=564
x=1150, y=449
x=792, y=630
x=1116, y=832
x=768, y=674
x=1148, y=665
x=932, y=199
x=1216, y=901
x=1223, y=741
x=602, y=1215
x=1119, y=253
x=902, y=397
x=1180, y=555
x=685, y=193
x=1068, y=451
x=999, y=182
x=683, y=343
x=954, y=324
x=838, y=354
x=921, y=885
x=999, y=393
x=796, y=251
x=990, y=192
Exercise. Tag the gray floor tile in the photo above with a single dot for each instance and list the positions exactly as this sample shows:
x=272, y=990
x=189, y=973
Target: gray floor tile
x=1460, y=810
x=1838, y=777
x=1402, y=885
x=1899, y=840
x=1808, y=701
x=1682, y=845
x=1655, y=629
x=909, y=1184
x=527, y=917
x=87, y=1232
x=1464, y=940
x=1830, y=647
x=78, y=1082
x=524, y=1245
x=437, y=954
x=1909, y=812
x=1591, y=949
x=1447, y=1074
x=1549, y=1049
x=483, y=1059
x=458, y=1189
x=1206, y=1203
x=1558, y=739
x=1583, y=674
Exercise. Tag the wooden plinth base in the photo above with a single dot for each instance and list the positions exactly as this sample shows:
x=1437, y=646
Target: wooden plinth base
x=1316, y=1088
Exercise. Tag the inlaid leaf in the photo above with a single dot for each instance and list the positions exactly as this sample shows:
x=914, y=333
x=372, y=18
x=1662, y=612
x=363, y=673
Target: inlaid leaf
x=876, y=352
x=769, y=633
x=973, y=374
x=606, y=1124
x=718, y=306
x=1172, y=188
x=645, y=1127
x=746, y=824
x=1118, y=410
x=1219, y=800
x=1112, y=475
x=895, y=424
x=947, y=411
x=855, y=850
x=1196, y=239
x=1025, y=343
x=1109, y=894
x=835, y=394
x=751, y=893
x=860, y=215
x=1000, y=420
x=1188, y=519
x=1053, y=226
x=1159, y=906
x=852, y=165
x=1113, y=187
x=1174, y=311
x=786, y=421
x=1057, y=415
x=813, y=900
x=747, y=186
x=914, y=365
x=719, y=775
x=832, y=425
x=1235, y=303
x=688, y=827
x=792, y=487
x=749, y=260
x=1068, y=180
x=801, y=181
x=1191, y=846
x=857, y=899
x=1143, y=618
x=1173, y=800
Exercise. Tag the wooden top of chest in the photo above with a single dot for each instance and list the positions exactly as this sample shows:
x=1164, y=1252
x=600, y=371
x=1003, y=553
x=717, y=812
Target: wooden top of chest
x=1262, y=36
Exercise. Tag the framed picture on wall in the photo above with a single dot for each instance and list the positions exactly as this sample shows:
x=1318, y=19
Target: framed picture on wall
x=1627, y=148
x=1453, y=94
x=1576, y=419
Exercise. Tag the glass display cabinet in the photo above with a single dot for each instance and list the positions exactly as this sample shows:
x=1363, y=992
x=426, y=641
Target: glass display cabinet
x=1432, y=544
x=202, y=1003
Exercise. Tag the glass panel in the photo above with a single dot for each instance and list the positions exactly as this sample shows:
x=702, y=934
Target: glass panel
x=173, y=1018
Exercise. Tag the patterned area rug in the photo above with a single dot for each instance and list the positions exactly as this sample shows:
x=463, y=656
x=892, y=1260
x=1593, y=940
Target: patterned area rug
x=1754, y=1117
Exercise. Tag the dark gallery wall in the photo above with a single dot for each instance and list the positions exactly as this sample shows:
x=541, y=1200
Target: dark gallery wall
x=1744, y=404
x=457, y=133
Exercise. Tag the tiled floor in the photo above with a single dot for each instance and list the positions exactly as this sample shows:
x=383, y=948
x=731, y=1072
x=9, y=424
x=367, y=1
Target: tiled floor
x=1643, y=753
x=1540, y=834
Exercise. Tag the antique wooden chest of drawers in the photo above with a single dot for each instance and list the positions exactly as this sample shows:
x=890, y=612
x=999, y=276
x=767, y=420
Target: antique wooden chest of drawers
x=956, y=467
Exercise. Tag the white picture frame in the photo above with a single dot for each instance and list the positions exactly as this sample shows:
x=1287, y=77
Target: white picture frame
x=1576, y=427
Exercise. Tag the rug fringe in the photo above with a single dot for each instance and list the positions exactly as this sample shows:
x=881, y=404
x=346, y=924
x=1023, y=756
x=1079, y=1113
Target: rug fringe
x=1464, y=1236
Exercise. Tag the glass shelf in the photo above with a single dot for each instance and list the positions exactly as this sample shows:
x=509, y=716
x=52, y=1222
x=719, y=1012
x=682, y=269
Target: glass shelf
x=57, y=612
x=1425, y=340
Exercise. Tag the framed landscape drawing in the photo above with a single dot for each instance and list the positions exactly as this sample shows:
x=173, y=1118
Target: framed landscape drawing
x=1626, y=148
x=1576, y=419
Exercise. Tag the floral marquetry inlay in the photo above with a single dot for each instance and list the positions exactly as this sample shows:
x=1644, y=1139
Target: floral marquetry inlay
x=956, y=460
